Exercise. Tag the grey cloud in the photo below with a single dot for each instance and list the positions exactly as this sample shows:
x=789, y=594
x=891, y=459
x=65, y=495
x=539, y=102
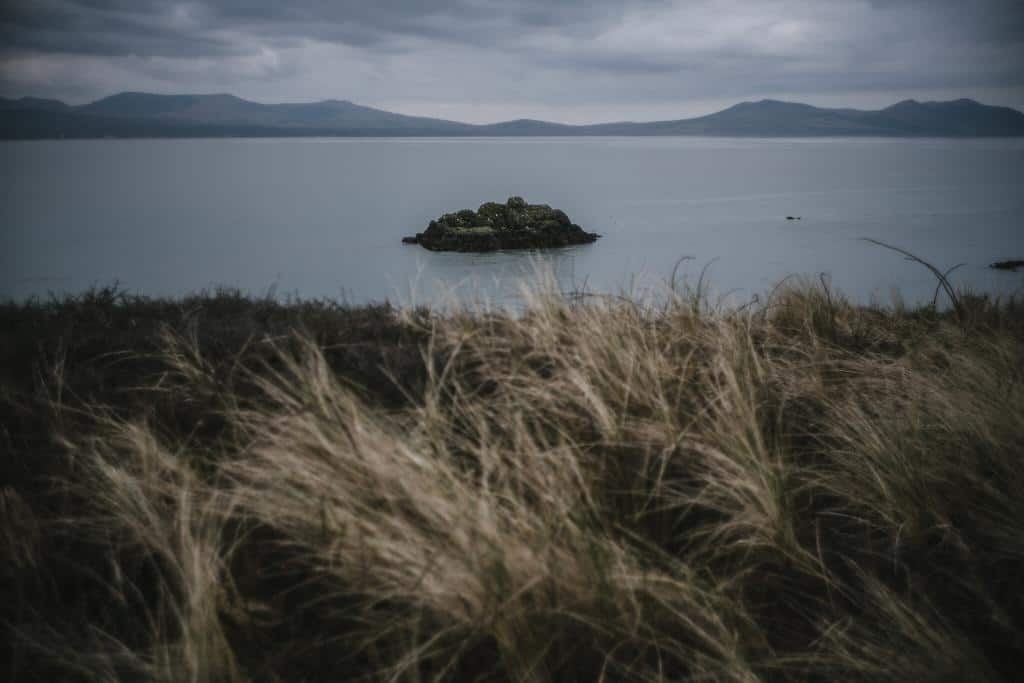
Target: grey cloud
x=984, y=20
x=109, y=28
x=202, y=28
x=497, y=52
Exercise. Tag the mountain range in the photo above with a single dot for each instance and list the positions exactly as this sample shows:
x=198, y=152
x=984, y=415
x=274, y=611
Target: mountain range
x=133, y=114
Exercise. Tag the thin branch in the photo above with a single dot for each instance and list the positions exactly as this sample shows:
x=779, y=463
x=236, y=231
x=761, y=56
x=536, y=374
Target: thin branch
x=943, y=280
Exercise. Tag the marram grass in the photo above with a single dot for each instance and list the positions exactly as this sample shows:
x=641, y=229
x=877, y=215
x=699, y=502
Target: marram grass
x=226, y=489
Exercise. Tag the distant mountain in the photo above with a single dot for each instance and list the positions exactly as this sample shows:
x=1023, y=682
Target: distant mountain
x=527, y=127
x=228, y=110
x=132, y=114
x=959, y=117
x=32, y=103
x=771, y=118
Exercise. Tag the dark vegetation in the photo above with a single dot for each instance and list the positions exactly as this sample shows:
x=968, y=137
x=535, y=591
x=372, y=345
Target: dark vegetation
x=221, y=488
x=512, y=225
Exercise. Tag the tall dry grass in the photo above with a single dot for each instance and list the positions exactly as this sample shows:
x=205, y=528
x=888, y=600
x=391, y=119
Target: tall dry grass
x=798, y=489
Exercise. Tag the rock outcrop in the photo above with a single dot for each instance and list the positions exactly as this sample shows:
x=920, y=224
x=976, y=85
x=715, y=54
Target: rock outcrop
x=512, y=225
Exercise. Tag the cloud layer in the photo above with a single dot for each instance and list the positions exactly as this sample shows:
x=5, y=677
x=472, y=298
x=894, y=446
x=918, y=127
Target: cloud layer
x=481, y=60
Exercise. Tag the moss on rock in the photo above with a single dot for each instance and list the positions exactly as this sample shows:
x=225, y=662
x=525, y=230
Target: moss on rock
x=512, y=225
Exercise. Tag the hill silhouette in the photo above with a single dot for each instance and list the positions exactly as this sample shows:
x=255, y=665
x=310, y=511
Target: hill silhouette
x=134, y=114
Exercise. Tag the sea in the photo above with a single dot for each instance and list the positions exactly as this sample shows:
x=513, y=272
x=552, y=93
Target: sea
x=324, y=218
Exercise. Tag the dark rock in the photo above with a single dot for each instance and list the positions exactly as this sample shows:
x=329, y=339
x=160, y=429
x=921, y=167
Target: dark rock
x=1007, y=265
x=793, y=218
x=512, y=225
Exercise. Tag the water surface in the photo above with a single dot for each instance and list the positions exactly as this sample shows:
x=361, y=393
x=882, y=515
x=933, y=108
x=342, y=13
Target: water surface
x=324, y=217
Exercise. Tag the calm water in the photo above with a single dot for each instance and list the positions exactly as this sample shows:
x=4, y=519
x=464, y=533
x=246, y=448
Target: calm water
x=325, y=217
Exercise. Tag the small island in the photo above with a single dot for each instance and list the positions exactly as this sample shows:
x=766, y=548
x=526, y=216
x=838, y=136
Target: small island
x=512, y=225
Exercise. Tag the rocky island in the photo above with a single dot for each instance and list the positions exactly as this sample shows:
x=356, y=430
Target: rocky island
x=512, y=225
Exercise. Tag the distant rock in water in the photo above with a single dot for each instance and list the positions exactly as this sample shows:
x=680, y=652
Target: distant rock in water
x=1007, y=265
x=512, y=225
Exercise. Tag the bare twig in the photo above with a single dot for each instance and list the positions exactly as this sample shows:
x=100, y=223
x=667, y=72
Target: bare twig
x=942, y=277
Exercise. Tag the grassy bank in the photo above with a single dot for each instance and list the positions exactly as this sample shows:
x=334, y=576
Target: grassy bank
x=221, y=489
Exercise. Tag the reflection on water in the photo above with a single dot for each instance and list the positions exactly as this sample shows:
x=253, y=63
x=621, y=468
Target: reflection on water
x=490, y=278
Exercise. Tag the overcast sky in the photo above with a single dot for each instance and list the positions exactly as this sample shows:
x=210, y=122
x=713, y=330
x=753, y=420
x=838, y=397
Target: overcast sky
x=487, y=60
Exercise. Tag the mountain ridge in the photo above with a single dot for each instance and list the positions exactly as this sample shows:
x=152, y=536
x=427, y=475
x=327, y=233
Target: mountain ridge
x=138, y=114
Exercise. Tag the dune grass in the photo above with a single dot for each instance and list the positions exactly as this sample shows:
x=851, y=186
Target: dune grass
x=227, y=489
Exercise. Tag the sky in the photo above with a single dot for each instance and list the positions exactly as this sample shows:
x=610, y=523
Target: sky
x=574, y=61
